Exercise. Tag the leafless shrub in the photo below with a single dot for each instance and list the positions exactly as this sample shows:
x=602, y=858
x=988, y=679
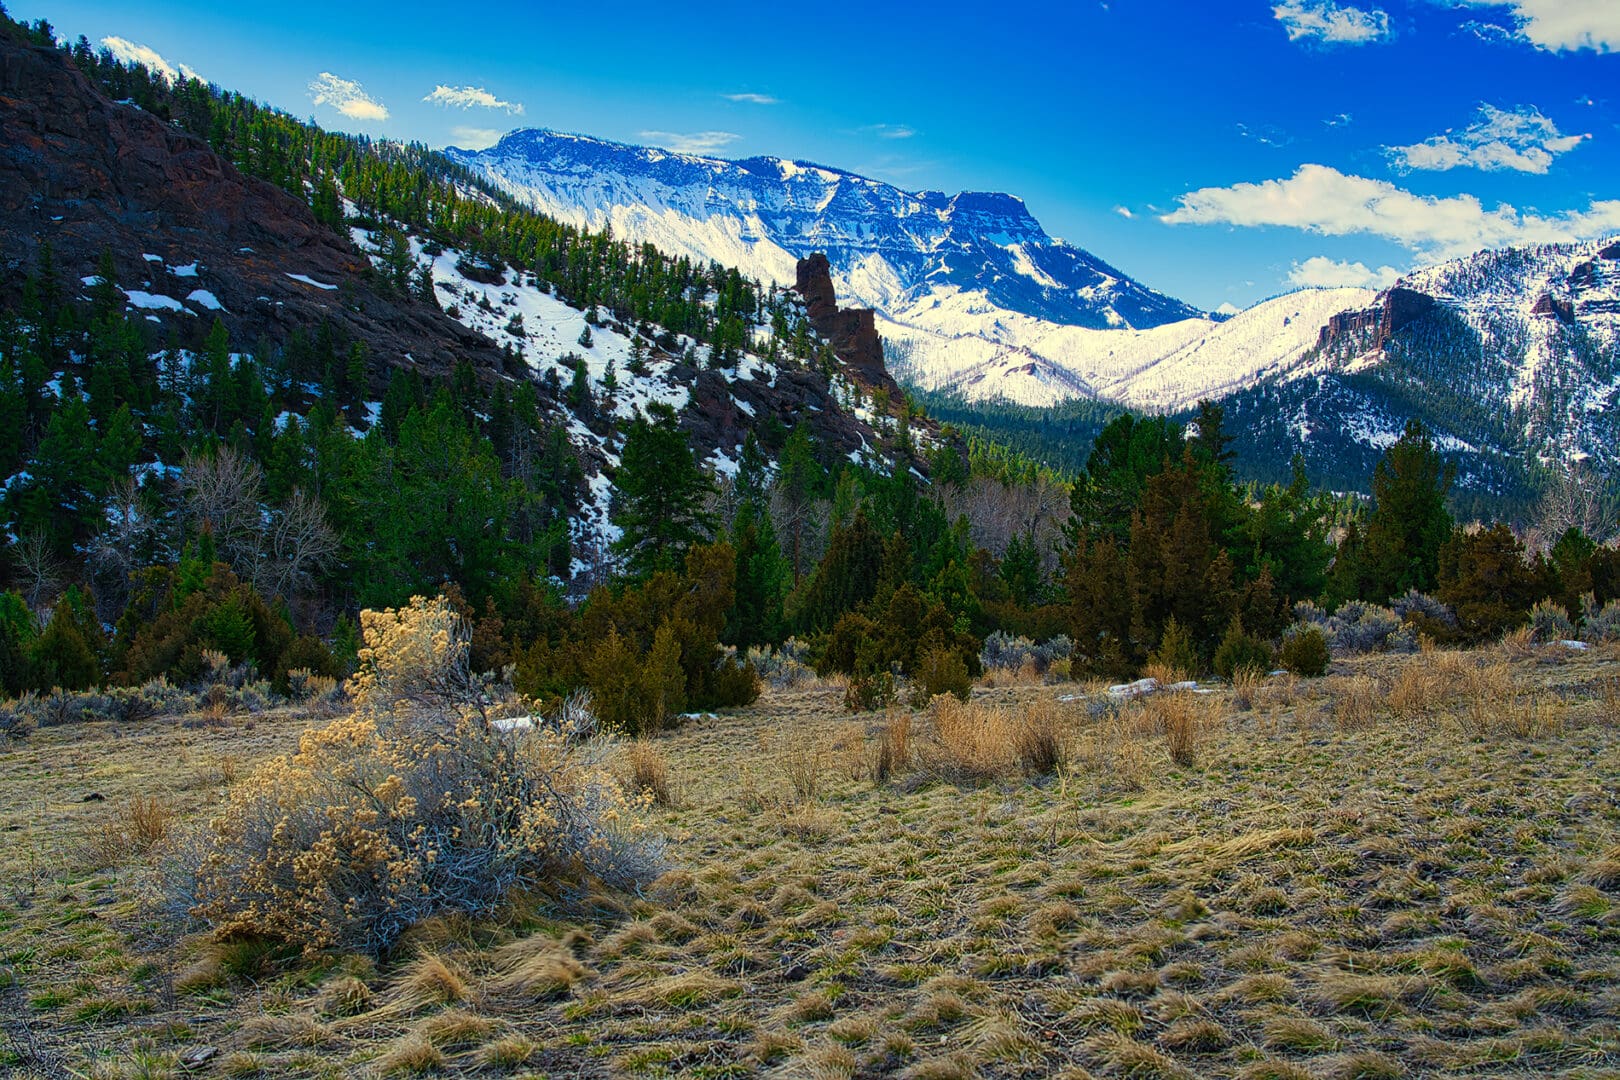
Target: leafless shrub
x=1356, y=703
x=1182, y=719
x=16, y=718
x=893, y=754
x=413, y=805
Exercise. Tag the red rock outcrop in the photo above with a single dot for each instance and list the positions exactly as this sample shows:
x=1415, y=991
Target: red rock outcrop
x=852, y=332
x=1400, y=308
x=88, y=175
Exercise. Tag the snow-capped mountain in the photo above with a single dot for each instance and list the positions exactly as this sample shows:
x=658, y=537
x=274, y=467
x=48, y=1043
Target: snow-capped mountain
x=1510, y=357
x=971, y=292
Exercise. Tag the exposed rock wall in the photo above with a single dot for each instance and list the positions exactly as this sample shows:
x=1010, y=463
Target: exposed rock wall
x=852, y=332
x=87, y=175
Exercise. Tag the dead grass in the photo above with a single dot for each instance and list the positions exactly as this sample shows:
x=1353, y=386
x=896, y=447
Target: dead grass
x=645, y=771
x=976, y=740
x=1347, y=882
x=1182, y=719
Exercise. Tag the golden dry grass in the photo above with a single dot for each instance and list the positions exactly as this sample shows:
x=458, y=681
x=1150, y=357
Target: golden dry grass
x=1391, y=871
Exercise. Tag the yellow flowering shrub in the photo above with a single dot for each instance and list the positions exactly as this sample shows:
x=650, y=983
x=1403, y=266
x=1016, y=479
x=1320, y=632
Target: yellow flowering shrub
x=412, y=805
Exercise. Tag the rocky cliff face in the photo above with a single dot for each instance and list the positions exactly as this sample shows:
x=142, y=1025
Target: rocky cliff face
x=1372, y=328
x=191, y=237
x=852, y=332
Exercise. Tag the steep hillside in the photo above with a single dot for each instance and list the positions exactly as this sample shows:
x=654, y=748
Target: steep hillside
x=365, y=280
x=190, y=236
x=1512, y=357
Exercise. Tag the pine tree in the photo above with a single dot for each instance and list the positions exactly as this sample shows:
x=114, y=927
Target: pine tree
x=847, y=577
x=659, y=494
x=756, y=616
x=1409, y=521
x=1020, y=569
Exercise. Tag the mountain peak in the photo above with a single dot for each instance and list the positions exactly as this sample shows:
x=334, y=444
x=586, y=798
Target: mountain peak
x=887, y=247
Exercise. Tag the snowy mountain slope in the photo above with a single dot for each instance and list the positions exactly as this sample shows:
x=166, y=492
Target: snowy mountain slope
x=1511, y=358
x=969, y=288
x=1167, y=367
x=719, y=406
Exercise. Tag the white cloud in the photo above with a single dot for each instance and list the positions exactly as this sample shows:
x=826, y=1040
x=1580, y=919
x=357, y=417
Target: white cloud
x=694, y=142
x=1124, y=211
x=467, y=97
x=1522, y=140
x=126, y=51
x=1321, y=199
x=889, y=131
x=1320, y=272
x=1341, y=120
x=1562, y=25
x=1331, y=23
x=752, y=99
x=475, y=138
x=347, y=97
x=1228, y=308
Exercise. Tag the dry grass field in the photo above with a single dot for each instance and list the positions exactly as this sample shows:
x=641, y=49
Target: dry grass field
x=1408, y=868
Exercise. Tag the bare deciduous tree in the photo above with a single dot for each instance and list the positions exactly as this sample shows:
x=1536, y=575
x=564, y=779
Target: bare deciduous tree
x=300, y=541
x=222, y=491
x=38, y=571
x=277, y=551
x=996, y=512
x=1575, y=499
x=117, y=549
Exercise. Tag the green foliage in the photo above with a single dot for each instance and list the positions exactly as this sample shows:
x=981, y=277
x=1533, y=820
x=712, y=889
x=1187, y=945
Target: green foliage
x=1305, y=652
x=169, y=624
x=1128, y=452
x=868, y=691
x=848, y=575
x=62, y=656
x=632, y=692
x=659, y=494
x=1099, y=608
x=1409, y=522
x=1020, y=569
x=941, y=671
x=1176, y=651
x=1240, y=651
x=1485, y=578
x=17, y=633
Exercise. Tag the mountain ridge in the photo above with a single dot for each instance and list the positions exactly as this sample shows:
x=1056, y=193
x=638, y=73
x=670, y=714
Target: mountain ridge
x=901, y=253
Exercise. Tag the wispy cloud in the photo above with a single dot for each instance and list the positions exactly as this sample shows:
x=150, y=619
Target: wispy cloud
x=347, y=97
x=475, y=138
x=1556, y=25
x=1321, y=199
x=1320, y=272
x=752, y=99
x=692, y=142
x=1265, y=134
x=1331, y=23
x=890, y=131
x=1522, y=140
x=471, y=97
x=130, y=52
x=1124, y=211
x=1343, y=119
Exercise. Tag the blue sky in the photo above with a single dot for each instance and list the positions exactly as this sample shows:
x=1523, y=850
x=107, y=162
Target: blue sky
x=1221, y=151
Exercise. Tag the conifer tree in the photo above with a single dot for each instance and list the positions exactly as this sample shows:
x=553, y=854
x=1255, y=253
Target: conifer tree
x=1409, y=521
x=659, y=495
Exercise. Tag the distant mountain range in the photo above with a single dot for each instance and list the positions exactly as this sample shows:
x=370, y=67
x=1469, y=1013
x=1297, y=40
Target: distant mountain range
x=971, y=292
x=1511, y=356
